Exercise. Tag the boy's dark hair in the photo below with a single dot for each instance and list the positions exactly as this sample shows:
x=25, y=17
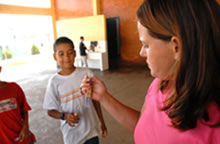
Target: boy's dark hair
x=81, y=37
x=61, y=40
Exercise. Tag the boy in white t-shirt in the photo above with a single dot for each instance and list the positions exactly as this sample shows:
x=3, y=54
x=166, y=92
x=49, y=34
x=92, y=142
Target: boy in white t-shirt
x=64, y=101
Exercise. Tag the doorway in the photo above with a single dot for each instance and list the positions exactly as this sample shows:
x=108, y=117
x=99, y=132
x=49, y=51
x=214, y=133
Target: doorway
x=113, y=37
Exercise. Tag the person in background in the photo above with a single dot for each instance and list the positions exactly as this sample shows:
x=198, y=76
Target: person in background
x=181, y=45
x=14, y=125
x=64, y=101
x=83, y=53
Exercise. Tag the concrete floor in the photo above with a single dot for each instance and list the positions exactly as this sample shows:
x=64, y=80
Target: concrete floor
x=127, y=83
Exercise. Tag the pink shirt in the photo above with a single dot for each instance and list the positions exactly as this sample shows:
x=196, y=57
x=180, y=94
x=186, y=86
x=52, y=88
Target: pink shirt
x=154, y=126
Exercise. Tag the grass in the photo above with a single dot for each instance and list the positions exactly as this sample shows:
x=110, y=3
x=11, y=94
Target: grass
x=17, y=63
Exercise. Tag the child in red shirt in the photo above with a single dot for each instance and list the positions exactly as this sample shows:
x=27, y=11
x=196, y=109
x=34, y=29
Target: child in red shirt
x=14, y=127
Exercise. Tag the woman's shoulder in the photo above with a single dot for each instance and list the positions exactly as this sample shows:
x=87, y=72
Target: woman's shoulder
x=214, y=114
x=156, y=81
x=154, y=85
x=154, y=92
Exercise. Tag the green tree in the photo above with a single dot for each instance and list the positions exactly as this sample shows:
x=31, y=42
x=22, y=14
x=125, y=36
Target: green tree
x=35, y=50
x=6, y=54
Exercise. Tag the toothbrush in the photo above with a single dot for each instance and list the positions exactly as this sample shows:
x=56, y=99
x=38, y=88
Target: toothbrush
x=89, y=97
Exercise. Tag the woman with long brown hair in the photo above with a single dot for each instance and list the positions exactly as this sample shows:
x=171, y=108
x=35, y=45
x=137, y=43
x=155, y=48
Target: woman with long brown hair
x=181, y=44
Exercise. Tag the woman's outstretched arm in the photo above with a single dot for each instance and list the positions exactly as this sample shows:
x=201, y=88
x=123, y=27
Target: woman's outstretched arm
x=125, y=115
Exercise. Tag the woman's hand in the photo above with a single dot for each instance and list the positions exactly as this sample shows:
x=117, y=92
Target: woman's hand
x=98, y=88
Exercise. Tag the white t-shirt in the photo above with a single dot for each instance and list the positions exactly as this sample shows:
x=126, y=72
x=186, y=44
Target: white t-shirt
x=63, y=94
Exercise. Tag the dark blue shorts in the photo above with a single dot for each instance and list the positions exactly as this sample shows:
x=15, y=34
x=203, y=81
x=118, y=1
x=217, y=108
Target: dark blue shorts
x=94, y=140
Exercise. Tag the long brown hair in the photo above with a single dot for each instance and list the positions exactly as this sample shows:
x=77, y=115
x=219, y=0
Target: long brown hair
x=197, y=76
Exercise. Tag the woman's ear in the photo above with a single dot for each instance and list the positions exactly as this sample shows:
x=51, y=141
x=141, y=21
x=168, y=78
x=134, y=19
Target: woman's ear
x=176, y=47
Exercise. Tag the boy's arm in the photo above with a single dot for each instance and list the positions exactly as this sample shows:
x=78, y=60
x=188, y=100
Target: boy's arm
x=99, y=113
x=25, y=133
x=55, y=114
x=71, y=119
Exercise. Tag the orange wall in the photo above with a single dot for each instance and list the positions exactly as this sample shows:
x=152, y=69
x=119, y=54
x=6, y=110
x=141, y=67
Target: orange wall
x=73, y=8
x=125, y=9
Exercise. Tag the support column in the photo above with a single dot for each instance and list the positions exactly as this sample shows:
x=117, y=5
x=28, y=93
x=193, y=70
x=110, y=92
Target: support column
x=96, y=7
x=53, y=14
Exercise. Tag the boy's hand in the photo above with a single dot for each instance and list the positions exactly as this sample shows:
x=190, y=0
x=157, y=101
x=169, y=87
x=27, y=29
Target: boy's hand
x=72, y=119
x=24, y=134
x=104, y=131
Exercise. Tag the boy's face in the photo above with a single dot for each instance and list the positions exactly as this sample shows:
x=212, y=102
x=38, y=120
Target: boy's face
x=65, y=55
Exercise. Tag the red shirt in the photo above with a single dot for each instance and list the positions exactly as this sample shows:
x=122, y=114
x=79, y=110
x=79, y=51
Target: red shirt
x=12, y=104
